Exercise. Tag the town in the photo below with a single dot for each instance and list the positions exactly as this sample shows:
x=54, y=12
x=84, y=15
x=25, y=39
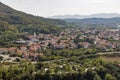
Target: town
x=70, y=38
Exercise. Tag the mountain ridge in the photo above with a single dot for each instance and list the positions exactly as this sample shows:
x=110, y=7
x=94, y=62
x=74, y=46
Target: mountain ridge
x=76, y=16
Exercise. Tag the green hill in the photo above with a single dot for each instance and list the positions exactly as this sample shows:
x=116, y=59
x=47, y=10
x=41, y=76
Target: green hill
x=13, y=23
x=26, y=22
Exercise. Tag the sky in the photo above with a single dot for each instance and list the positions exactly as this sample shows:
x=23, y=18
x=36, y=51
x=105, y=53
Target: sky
x=48, y=8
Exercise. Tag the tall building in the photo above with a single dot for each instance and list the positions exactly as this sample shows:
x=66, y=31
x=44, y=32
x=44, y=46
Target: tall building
x=35, y=35
x=119, y=31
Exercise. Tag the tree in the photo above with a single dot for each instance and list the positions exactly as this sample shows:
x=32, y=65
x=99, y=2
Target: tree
x=90, y=74
x=76, y=40
x=1, y=58
x=118, y=76
x=109, y=77
x=79, y=46
x=50, y=45
x=97, y=77
x=39, y=65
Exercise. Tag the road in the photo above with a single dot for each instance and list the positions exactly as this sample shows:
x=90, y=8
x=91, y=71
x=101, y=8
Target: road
x=101, y=53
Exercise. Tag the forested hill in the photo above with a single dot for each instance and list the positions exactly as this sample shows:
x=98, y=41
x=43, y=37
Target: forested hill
x=115, y=20
x=13, y=25
x=95, y=22
x=26, y=22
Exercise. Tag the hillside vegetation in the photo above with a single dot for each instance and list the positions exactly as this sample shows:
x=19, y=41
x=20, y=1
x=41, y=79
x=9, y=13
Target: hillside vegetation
x=95, y=22
x=13, y=23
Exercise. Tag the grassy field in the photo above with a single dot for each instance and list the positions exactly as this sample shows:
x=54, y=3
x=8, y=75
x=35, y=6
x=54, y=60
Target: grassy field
x=111, y=59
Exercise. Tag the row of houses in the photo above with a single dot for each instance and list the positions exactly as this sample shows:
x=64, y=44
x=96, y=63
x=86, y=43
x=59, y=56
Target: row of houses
x=31, y=49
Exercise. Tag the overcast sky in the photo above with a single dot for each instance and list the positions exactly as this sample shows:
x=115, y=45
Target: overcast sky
x=47, y=8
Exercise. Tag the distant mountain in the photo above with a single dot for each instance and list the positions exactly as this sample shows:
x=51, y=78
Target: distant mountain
x=115, y=20
x=98, y=23
x=101, y=15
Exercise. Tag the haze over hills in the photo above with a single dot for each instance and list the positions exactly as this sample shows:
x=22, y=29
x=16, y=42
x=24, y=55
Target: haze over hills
x=100, y=15
x=106, y=19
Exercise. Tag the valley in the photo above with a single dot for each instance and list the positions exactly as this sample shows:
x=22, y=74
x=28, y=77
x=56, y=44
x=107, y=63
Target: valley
x=38, y=48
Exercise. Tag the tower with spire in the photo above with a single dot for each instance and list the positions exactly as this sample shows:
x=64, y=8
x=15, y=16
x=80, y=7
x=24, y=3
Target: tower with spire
x=34, y=35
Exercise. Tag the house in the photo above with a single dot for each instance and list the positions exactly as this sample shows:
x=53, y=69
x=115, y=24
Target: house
x=72, y=45
x=3, y=50
x=84, y=44
x=60, y=46
x=34, y=47
x=19, y=52
x=23, y=48
x=12, y=50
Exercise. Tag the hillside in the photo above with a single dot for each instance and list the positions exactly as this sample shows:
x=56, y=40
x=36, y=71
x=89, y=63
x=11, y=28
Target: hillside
x=17, y=18
x=13, y=24
x=95, y=22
